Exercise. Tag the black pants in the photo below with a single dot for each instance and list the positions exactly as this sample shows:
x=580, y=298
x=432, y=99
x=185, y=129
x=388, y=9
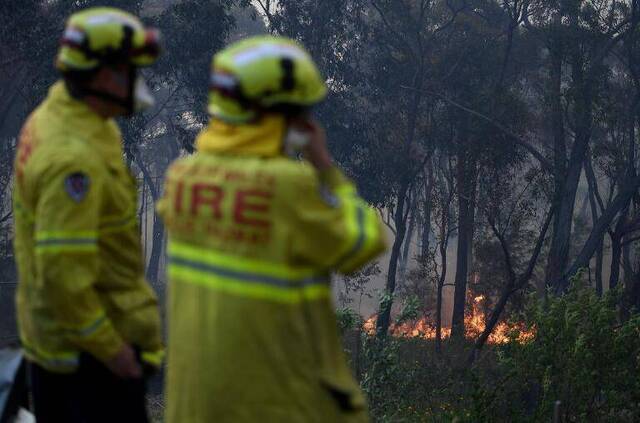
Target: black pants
x=90, y=395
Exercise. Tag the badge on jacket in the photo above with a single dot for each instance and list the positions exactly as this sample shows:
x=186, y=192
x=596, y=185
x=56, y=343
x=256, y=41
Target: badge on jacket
x=77, y=186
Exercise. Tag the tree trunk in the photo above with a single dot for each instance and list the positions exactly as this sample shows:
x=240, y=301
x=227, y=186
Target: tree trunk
x=513, y=283
x=158, y=228
x=616, y=250
x=599, y=257
x=632, y=293
x=400, y=217
x=443, y=245
x=559, y=143
x=561, y=240
x=406, y=250
x=426, y=222
x=593, y=202
x=153, y=266
x=441, y=279
x=384, y=316
x=616, y=254
x=466, y=188
x=619, y=203
x=566, y=198
x=629, y=280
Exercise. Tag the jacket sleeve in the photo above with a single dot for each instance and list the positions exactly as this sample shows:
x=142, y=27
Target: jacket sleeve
x=67, y=262
x=335, y=229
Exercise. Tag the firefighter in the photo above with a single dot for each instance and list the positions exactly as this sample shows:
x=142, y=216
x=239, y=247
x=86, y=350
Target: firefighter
x=253, y=238
x=89, y=322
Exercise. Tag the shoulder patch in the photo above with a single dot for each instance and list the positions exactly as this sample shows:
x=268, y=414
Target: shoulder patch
x=77, y=186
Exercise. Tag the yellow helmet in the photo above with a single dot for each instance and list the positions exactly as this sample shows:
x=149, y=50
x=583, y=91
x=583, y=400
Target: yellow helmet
x=102, y=35
x=262, y=73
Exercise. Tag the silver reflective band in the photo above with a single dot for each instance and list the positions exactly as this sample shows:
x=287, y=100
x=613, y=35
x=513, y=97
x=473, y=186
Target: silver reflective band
x=248, y=276
x=268, y=50
x=113, y=17
x=359, y=241
x=63, y=241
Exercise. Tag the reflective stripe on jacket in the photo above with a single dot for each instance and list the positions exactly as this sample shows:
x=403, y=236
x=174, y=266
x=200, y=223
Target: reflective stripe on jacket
x=252, y=330
x=77, y=244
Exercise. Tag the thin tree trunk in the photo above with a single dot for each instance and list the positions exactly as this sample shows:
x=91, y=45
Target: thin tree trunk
x=561, y=242
x=154, y=259
x=400, y=217
x=466, y=189
x=142, y=218
x=616, y=252
x=620, y=202
x=633, y=294
x=594, y=202
x=158, y=228
x=384, y=316
x=406, y=250
x=628, y=277
x=556, y=57
x=598, y=276
x=441, y=279
x=443, y=246
x=426, y=222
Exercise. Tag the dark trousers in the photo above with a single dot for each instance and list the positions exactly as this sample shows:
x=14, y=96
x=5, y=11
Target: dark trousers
x=90, y=395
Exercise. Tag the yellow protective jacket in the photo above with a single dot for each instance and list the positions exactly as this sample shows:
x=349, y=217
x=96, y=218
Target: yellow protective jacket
x=77, y=245
x=253, y=238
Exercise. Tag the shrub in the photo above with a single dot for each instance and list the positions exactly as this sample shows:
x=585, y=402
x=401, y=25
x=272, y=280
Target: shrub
x=582, y=356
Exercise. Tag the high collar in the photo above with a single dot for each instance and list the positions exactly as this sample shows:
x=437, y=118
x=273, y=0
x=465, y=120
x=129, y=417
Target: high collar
x=263, y=138
x=77, y=117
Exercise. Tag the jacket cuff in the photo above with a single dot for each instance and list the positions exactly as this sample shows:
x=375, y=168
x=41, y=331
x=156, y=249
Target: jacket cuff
x=105, y=345
x=153, y=358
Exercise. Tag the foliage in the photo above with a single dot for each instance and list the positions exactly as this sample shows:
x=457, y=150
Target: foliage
x=581, y=356
x=410, y=310
x=348, y=319
x=355, y=286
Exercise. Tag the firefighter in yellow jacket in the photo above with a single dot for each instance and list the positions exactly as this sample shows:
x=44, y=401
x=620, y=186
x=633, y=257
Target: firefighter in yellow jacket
x=88, y=321
x=253, y=238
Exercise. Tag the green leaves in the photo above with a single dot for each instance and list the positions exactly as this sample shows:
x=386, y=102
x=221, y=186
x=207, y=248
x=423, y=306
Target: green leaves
x=348, y=319
x=410, y=310
x=582, y=355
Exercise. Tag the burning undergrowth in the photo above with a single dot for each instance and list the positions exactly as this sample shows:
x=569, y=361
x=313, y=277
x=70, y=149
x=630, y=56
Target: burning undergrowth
x=475, y=323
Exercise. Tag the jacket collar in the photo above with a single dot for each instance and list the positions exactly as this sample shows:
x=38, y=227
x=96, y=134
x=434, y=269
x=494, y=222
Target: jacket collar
x=263, y=138
x=78, y=118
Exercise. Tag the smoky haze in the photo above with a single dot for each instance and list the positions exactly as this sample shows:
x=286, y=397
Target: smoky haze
x=497, y=140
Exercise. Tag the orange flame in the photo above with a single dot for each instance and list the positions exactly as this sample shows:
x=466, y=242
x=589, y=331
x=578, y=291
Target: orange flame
x=474, y=324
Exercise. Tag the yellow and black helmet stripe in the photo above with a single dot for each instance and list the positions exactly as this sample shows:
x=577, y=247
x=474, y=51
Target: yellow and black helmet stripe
x=103, y=35
x=262, y=73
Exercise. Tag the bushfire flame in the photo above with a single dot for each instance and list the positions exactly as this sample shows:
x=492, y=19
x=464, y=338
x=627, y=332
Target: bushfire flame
x=474, y=324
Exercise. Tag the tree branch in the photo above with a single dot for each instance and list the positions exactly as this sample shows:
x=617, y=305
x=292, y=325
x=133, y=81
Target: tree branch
x=513, y=284
x=6, y=216
x=535, y=153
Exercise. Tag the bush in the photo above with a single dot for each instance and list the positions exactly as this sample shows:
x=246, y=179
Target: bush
x=581, y=356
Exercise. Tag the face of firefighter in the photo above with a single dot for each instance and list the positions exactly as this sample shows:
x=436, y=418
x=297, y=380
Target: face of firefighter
x=119, y=91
